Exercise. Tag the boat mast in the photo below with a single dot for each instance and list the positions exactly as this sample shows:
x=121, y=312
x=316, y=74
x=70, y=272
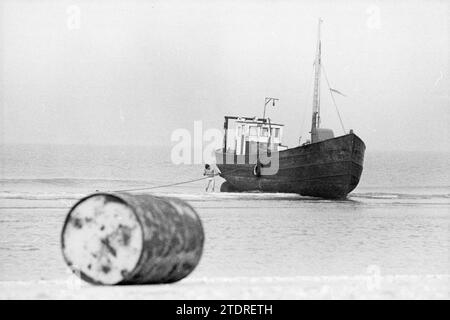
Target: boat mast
x=316, y=98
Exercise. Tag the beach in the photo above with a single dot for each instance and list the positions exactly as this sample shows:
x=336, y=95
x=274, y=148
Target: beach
x=389, y=239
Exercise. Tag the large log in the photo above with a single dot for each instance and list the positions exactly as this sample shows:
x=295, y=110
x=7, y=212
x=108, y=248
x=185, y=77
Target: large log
x=119, y=238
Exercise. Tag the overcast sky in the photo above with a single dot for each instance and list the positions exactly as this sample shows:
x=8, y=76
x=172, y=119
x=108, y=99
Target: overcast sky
x=130, y=72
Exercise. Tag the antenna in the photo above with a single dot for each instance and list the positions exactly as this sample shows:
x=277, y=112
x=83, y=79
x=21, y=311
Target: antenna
x=266, y=102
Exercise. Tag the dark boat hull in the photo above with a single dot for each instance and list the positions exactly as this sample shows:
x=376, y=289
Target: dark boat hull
x=327, y=169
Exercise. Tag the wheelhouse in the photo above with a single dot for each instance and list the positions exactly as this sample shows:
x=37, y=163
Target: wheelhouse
x=246, y=135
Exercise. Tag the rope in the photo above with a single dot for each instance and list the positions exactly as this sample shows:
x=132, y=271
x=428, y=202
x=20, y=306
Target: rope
x=334, y=101
x=164, y=185
x=172, y=184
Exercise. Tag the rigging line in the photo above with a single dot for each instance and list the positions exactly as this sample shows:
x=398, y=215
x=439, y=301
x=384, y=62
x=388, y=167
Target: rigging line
x=332, y=97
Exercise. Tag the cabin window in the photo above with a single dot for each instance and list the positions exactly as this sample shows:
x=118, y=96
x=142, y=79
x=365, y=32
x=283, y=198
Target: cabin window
x=265, y=132
x=275, y=132
x=253, y=131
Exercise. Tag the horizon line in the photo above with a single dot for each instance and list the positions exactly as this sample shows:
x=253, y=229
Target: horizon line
x=168, y=146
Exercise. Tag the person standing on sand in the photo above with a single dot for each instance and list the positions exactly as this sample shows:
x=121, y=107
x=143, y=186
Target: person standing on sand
x=209, y=173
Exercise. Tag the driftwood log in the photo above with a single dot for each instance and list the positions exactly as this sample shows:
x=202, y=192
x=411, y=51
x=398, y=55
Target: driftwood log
x=119, y=238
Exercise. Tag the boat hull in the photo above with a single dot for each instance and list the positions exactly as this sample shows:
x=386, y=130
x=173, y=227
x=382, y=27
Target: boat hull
x=327, y=169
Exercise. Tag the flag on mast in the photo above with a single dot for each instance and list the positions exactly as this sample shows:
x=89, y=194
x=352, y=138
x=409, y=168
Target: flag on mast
x=338, y=92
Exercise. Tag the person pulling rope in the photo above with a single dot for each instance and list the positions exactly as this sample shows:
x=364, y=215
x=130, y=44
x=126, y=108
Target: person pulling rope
x=209, y=173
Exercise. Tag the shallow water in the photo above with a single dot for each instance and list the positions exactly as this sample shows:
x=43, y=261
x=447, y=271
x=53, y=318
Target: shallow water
x=396, y=221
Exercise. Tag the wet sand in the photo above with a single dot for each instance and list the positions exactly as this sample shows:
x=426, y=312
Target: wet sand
x=257, y=247
x=358, y=287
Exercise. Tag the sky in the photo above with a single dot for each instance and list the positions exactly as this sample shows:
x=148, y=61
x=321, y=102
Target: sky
x=109, y=72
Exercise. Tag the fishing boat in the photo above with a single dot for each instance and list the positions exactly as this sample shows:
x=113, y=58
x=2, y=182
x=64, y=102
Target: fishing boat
x=253, y=157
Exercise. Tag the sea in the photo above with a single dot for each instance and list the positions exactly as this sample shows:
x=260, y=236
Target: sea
x=396, y=221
